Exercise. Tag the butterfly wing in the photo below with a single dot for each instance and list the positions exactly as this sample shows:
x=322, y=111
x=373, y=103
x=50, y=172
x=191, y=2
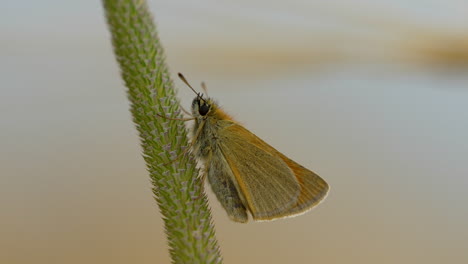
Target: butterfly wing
x=264, y=181
x=313, y=188
x=271, y=185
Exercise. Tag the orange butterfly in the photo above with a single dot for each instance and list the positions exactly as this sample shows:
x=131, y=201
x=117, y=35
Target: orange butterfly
x=247, y=174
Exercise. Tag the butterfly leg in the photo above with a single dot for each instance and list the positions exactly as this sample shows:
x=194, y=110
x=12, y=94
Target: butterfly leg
x=190, y=146
x=185, y=111
x=180, y=119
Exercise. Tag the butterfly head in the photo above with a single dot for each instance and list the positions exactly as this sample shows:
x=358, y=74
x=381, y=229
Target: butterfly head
x=201, y=107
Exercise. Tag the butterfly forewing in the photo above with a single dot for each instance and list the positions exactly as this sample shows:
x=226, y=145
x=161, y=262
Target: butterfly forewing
x=268, y=186
x=313, y=188
x=273, y=186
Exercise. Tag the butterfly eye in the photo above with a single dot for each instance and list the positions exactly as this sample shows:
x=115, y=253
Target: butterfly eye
x=203, y=110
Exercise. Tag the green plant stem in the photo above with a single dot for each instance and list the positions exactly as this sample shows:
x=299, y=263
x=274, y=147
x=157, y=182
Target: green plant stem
x=178, y=190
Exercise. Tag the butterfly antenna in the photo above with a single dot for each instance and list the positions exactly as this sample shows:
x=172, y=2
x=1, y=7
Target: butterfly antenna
x=203, y=86
x=181, y=76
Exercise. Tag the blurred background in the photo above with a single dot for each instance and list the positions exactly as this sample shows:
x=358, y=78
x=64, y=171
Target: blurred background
x=372, y=95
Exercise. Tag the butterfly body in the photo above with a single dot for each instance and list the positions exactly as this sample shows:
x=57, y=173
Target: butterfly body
x=248, y=175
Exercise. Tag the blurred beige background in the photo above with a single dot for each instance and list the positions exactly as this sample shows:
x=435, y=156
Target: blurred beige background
x=372, y=95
